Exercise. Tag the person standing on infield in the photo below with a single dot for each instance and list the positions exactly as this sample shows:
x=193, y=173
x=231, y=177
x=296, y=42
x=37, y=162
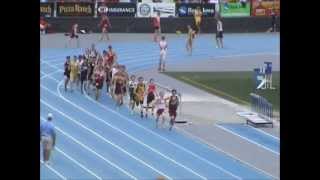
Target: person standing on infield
x=163, y=52
x=219, y=34
x=190, y=37
x=47, y=138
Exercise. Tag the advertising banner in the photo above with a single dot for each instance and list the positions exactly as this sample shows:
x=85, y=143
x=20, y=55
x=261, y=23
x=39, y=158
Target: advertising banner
x=151, y=9
x=265, y=7
x=75, y=9
x=46, y=9
x=235, y=8
x=187, y=9
x=117, y=9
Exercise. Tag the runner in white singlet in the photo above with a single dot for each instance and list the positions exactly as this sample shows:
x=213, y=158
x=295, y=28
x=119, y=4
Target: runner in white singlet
x=161, y=106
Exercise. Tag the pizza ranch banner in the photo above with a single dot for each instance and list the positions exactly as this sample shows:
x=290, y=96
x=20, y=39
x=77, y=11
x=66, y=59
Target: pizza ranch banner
x=46, y=9
x=264, y=7
x=75, y=9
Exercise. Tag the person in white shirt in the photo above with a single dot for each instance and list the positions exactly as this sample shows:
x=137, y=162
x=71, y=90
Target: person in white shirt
x=219, y=34
x=163, y=52
x=243, y=3
x=160, y=104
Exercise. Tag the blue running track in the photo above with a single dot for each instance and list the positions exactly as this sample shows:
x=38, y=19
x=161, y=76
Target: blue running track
x=252, y=135
x=97, y=141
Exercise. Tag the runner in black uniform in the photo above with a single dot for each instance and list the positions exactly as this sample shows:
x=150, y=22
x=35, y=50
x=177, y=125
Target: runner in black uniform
x=132, y=87
x=107, y=69
x=83, y=74
x=91, y=67
x=99, y=81
x=173, y=106
x=66, y=72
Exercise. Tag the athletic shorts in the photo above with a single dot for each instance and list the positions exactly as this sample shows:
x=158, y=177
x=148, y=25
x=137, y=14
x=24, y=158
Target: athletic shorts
x=47, y=142
x=150, y=97
x=156, y=28
x=67, y=74
x=83, y=77
x=104, y=29
x=131, y=95
x=118, y=90
x=160, y=111
x=139, y=102
x=72, y=77
x=197, y=21
x=163, y=54
x=99, y=85
x=219, y=34
x=72, y=35
x=172, y=113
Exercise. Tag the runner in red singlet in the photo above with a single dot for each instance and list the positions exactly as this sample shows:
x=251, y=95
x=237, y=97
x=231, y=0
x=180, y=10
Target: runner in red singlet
x=104, y=25
x=112, y=57
x=156, y=27
x=150, y=97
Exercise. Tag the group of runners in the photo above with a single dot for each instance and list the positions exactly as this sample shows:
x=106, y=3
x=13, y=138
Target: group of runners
x=91, y=71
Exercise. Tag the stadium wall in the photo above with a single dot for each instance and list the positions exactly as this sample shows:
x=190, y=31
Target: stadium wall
x=169, y=25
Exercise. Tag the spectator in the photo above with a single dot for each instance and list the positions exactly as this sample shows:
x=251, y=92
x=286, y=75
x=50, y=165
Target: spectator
x=219, y=34
x=273, y=21
x=226, y=4
x=243, y=3
x=48, y=138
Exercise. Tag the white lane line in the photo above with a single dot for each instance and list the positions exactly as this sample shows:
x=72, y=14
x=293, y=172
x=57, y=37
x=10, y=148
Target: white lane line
x=47, y=75
x=73, y=160
x=170, y=142
x=248, y=54
x=95, y=153
x=55, y=171
x=247, y=139
x=105, y=140
x=163, y=138
x=126, y=134
x=55, y=67
x=128, y=61
x=215, y=148
x=122, y=132
x=259, y=130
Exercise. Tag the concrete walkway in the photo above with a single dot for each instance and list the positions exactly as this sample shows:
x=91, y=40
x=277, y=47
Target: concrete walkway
x=204, y=110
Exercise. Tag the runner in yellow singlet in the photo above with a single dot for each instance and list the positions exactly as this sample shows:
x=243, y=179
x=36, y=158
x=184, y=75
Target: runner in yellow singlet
x=73, y=73
x=190, y=37
x=139, y=94
x=197, y=18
